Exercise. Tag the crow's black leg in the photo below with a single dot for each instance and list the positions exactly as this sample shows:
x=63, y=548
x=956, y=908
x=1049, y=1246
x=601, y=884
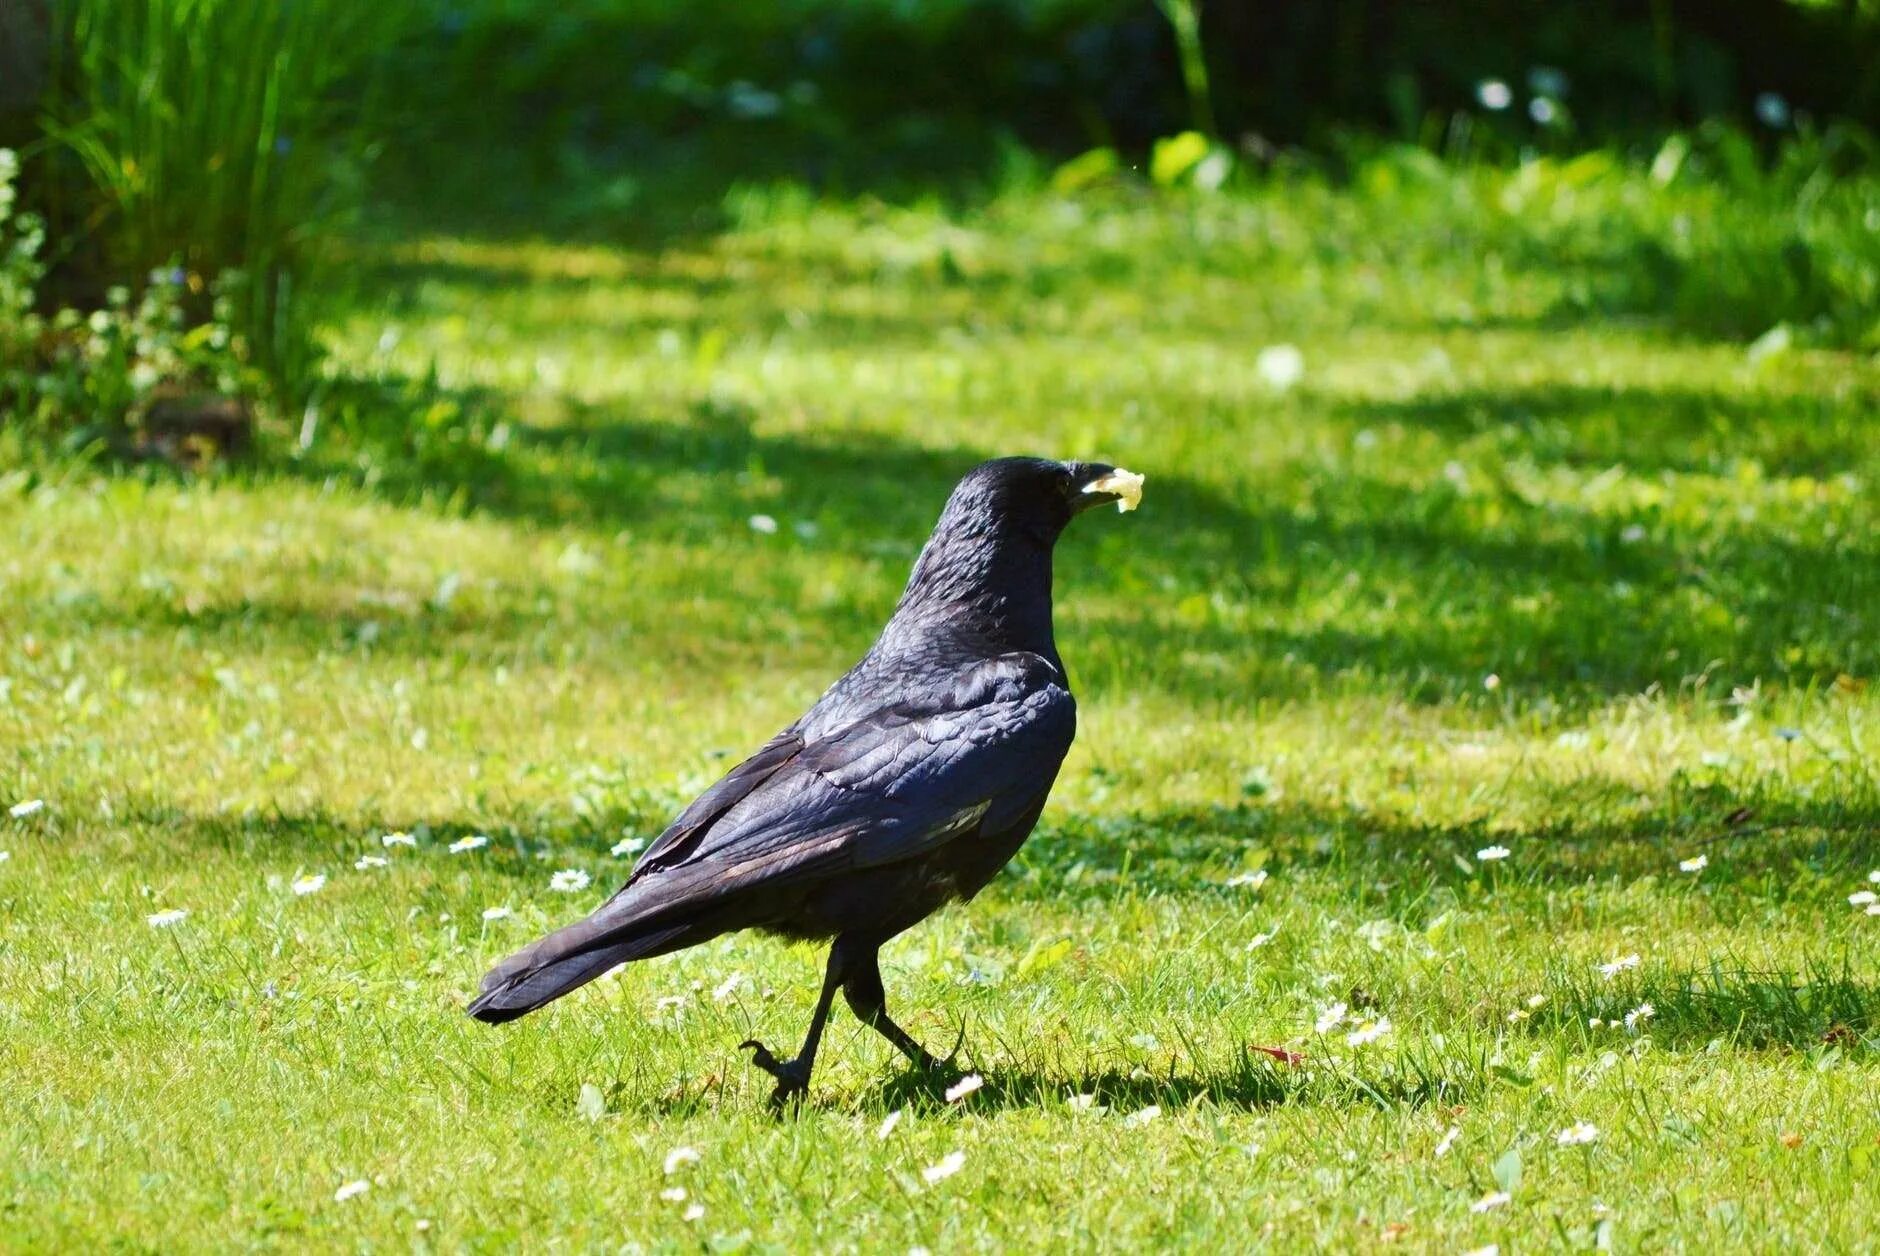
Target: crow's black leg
x=793, y=1075
x=861, y=986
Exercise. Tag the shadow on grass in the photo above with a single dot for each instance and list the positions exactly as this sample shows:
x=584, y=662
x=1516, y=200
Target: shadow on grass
x=1397, y=590
x=1822, y=1006
x=1645, y=429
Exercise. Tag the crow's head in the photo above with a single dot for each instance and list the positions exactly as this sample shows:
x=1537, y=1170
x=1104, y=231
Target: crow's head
x=1039, y=496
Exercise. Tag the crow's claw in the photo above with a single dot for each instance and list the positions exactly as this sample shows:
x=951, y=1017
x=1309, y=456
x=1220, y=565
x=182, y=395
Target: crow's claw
x=792, y=1075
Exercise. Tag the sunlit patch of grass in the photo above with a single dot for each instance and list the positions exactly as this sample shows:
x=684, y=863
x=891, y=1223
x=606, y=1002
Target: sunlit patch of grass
x=1600, y=595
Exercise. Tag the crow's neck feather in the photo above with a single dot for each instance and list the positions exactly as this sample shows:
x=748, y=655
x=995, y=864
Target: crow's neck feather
x=988, y=577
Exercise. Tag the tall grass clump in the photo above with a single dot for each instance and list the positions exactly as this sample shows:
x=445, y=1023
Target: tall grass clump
x=224, y=137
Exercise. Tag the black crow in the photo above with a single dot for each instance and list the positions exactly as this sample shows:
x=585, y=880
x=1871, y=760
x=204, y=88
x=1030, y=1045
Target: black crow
x=911, y=781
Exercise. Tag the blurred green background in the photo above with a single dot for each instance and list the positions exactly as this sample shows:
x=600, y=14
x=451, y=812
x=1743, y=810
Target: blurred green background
x=248, y=150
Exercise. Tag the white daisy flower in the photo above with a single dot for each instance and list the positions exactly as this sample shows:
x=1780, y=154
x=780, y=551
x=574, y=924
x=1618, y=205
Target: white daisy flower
x=1259, y=940
x=1860, y=898
x=1696, y=863
x=1613, y=968
x=1489, y=854
x=1874, y=876
x=693, y=1212
x=1492, y=1200
x=888, y=1123
x=1330, y=1018
x=462, y=844
x=1448, y=1140
x=964, y=1087
x=679, y=1157
x=1250, y=880
x=1081, y=1103
x=164, y=919
x=628, y=846
x=351, y=1190
x=390, y=840
x=5, y=855
x=1368, y=1032
x=1535, y=1000
x=1281, y=366
x=673, y=1194
x=32, y=806
x=569, y=881
x=1643, y=1012
x=311, y=883
x=370, y=861
x=950, y=1164
x=1136, y=1120
x=728, y=987
x=1579, y=1134
x=764, y=524
x=491, y=914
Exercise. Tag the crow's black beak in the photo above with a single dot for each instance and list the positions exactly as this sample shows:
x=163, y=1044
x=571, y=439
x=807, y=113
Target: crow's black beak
x=1112, y=484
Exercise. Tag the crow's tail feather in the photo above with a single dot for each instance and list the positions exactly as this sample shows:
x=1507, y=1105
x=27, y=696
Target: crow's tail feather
x=565, y=961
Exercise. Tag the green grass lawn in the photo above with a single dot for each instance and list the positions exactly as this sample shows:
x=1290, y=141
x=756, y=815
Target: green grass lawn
x=1528, y=556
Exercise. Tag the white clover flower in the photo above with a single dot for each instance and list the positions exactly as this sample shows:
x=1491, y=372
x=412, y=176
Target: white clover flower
x=32, y=806
x=1492, y=1200
x=1612, y=968
x=311, y=883
x=679, y=1157
x=164, y=919
x=1280, y=366
x=950, y=1164
x=1489, y=854
x=390, y=840
x=1368, y=1032
x=370, y=861
x=628, y=846
x=491, y=914
x=569, y=881
x=1330, y=1018
x=888, y=1123
x=351, y=1190
x=964, y=1087
x=462, y=844
x=1696, y=863
x=1579, y=1134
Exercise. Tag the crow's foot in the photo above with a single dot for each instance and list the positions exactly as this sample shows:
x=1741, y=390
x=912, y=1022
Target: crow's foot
x=792, y=1075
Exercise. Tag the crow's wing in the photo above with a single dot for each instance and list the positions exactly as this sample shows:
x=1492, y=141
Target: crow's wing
x=973, y=752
